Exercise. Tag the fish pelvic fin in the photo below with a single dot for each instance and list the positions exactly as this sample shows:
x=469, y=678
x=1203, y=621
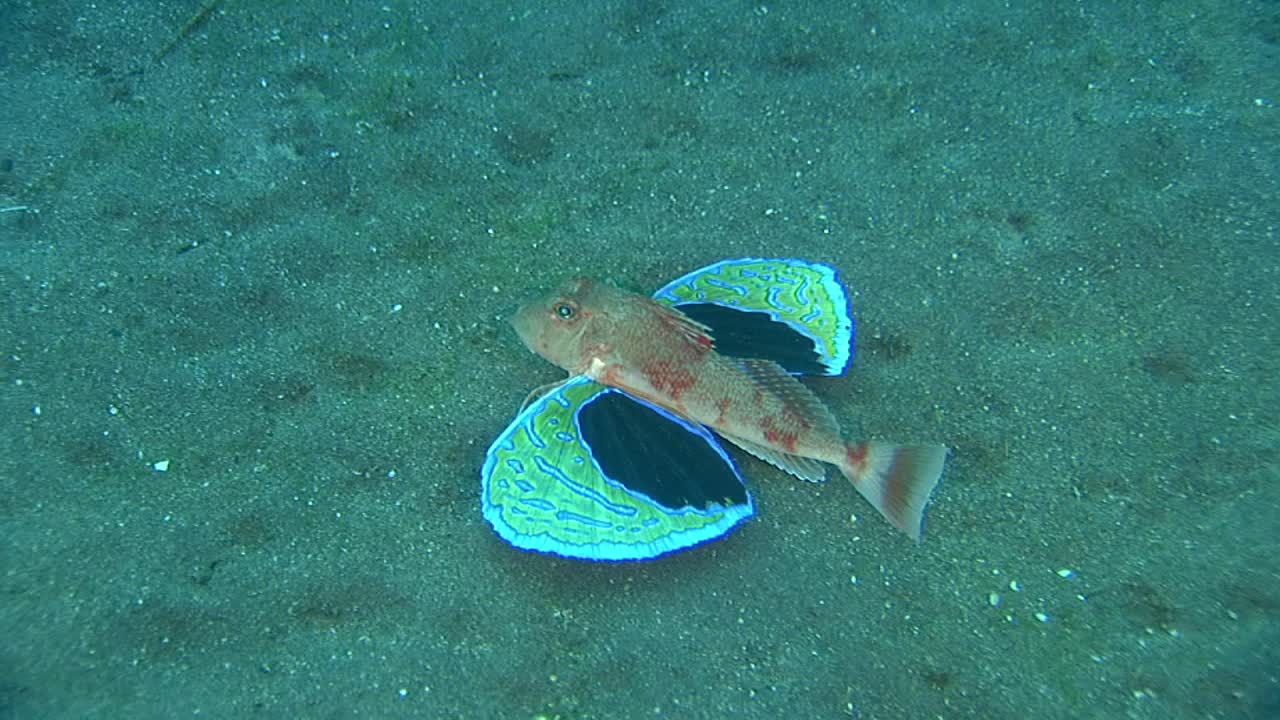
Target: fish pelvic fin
x=896, y=479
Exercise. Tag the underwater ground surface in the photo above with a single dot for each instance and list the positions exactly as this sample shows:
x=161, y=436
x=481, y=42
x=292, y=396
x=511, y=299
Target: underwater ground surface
x=257, y=260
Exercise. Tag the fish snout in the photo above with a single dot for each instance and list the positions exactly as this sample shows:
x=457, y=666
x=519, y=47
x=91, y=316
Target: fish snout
x=525, y=322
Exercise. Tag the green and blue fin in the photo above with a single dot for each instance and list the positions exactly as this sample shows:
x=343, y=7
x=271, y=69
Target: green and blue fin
x=792, y=312
x=587, y=471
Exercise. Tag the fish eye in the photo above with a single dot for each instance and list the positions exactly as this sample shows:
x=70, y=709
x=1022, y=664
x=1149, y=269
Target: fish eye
x=564, y=311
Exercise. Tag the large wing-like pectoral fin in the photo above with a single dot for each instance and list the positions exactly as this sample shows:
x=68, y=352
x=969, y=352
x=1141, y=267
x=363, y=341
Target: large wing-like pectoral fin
x=590, y=472
x=792, y=312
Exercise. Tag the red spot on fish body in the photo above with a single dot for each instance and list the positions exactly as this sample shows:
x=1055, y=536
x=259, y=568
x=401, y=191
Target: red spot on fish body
x=668, y=378
x=722, y=406
x=789, y=441
x=777, y=436
x=856, y=456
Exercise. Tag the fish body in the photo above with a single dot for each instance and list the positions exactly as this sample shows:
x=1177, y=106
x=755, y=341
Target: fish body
x=658, y=354
x=651, y=351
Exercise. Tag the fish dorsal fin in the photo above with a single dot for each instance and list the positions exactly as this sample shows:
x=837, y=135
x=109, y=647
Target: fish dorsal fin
x=698, y=333
x=772, y=378
x=802, y=467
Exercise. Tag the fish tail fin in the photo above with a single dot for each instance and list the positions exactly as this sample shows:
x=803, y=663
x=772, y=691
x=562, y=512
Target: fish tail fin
x=896, y=479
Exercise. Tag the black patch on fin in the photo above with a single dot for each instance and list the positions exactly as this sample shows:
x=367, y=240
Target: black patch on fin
x=651, y=453
x=754, y=334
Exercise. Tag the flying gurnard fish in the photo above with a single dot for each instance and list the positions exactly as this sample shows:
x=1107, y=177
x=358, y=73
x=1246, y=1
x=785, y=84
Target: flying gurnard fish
x=621, y=461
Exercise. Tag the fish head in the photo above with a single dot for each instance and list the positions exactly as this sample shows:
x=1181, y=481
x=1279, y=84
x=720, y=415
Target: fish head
x=555, y=324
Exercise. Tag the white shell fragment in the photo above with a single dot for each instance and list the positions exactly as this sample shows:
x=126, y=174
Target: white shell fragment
x=160, y=466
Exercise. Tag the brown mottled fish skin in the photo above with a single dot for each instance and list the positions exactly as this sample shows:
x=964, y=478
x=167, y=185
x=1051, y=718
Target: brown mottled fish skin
x=656, y=353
